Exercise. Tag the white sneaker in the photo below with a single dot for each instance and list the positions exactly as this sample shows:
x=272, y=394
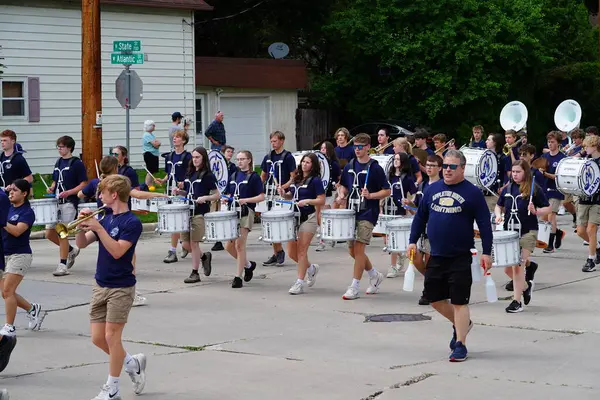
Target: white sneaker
x=374, y=284
x=297, y=288
x=561, y=210
x=393, y=272
x=4, y=394
x=8, y=330
x=138, y=377
x=61, y=270
x=586, y=243
x=311, y=279
x=71, y=257
x=106, y=395
x=36, y=317
x=139, y=300
x=351, y=293
x=320, y=247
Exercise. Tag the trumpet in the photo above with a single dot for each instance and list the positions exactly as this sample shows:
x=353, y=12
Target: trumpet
x=450, y=143
x=380, y=149
x=508, y=147
x=64, y=230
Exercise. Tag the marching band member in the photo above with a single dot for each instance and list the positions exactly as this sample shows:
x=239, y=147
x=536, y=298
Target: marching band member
x=401, y=145
x=448, y=209
x=383, y=137
x=334, y=179
x=477, y=140
x=554, y=196
x=249, y=190
x=227, y=152
x=521, y=209
x=150, y=146
x=367, y=191
x=124, y=168
x=575, y=150
x=402, y=183
x=176, y=163
x=588, y=211
x=421, y=136
x=510, y=137
x=495, y=143
x=439, y=141
x=278, y=169
x=343, y=152
x=18, y=257
x=113, y=294
x=7, y=343
x=68, y=178
x=307, y=190
x=13, y=165
x=200, y=186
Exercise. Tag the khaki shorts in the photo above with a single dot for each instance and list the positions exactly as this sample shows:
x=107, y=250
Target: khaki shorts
x=528, y=241
x=555, y=204
x=18, y=264
x=588, y=214
x=363, y=232
x=111, y=304
x=67, y=212
x=310, y=225
x=247, y=221
x=196, y=230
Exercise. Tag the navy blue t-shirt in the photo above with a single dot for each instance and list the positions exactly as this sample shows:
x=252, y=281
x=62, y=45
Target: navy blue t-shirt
x=111, y=273
x=129, y=172
x=18, y=244
x=528, y=222
x=389, y=150
x=414, y=166
x=90, y=189
x=249, y=186
x=408, y=186
x=311, y=190
x=377, y=181
x=552, y=192
x=286, y=167
x=180, y=162
x=231, y=169
x=478, y=145
x=68, y=178
x=540, y=179
x=334, y=175
x=13, y=169
x=345, y=153
x=4, y=207
x=198, y=187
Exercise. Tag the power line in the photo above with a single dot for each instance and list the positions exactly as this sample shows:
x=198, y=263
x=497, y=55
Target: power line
x=233, y=15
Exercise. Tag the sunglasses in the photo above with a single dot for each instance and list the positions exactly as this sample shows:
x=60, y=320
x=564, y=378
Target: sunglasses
x=453, y=167
x=114, y=154
x=359, y=146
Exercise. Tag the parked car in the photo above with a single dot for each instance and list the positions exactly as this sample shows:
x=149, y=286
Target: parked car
x=395, y=128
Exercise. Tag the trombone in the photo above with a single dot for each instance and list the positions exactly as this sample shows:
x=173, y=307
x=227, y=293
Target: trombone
x=507, y=148
x=64, y=230
x=443, y=148
x=380, y=149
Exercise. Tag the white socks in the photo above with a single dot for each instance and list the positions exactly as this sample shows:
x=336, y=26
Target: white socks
x=300, y=281
x=248, y=265
x=130, y=364
x=355, y=283
x=173, y=249
x=311, y=269
x=113, y=384
x=372, y=273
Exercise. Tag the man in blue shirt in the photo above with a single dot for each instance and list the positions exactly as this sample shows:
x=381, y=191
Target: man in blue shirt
x=448, y=209
x=13, y=165
x=215, y=132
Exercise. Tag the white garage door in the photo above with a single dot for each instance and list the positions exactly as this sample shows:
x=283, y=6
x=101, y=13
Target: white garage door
x=246, y=124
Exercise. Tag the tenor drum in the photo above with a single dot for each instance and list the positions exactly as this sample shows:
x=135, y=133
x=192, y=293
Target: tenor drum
x=221, y=226
x=577, y=176
x=398, y=234
x=156, y=203
x=337, y=224
x=481, y=168
x=505, y=249
x=323, y=162
x=46, y=211
x=278, y=226
x=543, y=237
x=382, y=221
x=386, y=161
x=173, y=218
x=140, y=206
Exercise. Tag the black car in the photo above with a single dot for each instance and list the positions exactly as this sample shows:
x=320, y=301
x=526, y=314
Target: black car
x=394, y=128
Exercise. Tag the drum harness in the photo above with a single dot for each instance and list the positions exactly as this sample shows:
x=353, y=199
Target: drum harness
x=173, y=165
x=59, y=185
x=272, y=182
x=514, y=223
x=241, y=209
x=7, y=161
x=356, y=201
x=190, y=194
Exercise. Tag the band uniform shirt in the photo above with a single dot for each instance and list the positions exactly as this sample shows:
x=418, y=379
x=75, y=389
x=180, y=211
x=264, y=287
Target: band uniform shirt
x=480, y=144
x=89, y=191
x=576, y=149
x=200, y=188
x=72, y=177
x=377, y=181
x=231, y=169
x=286, y=167
x=110, y=272
x=252, y=188
x=552, y=192
x=595, y=199
x=309, y=191
x=147, y=147
x=128, y=171
x=15, y=168
x=408, y=186
x=180, y=162
x=528, y=222
x=448, y=212
x=429, y=151
x=18, y=244
x=334, y=176
x=540, y=179
x=389, y=150
x=414, y=166
x=344, y=153
x=4, y=207
x=216, y=130
x=515, y=151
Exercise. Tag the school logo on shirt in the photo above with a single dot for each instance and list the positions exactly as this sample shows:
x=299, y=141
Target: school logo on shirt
x=114, y=232
x=591, y=180
x=8, y=166
x=447, y=202
x=14, y=217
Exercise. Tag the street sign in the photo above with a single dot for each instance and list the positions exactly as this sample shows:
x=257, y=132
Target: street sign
x=136, y=89
x=127, y=59
x=127, y=45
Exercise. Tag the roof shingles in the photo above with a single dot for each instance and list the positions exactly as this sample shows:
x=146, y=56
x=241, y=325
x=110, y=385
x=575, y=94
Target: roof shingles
x=199, y=5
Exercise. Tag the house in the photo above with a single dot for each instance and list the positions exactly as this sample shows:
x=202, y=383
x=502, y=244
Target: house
x=257, y=97
x=40, y=90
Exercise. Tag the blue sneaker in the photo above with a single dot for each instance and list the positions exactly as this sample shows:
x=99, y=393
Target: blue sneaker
x=453, y=340
x=459, y=353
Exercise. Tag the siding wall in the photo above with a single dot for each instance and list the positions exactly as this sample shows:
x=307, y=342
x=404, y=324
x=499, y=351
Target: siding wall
x=43, y=40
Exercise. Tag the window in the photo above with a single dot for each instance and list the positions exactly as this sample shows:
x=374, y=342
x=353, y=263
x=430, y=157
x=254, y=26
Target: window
x=199, y=116
x=13, y=98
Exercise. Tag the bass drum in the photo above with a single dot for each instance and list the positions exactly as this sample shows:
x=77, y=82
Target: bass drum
x=577, y=176
x=482, y=167
x=323, y=162
x=386, y=161
x=218, y=166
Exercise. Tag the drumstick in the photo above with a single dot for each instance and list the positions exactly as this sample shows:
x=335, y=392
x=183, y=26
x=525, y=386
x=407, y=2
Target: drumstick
x=149, y=173
x=531, y=194
x=97, y=170
x=43, y=181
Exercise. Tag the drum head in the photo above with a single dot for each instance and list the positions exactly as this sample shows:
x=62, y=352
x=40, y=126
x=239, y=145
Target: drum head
x=482, y=167
x=590, y=178
x=218, y=166
x=323, y=163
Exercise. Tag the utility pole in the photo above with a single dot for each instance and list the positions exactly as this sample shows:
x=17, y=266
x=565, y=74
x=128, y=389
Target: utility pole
x=91, y=85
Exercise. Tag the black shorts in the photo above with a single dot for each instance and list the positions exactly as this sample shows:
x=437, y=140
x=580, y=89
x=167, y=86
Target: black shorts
x=151, y=162
x=449, y=278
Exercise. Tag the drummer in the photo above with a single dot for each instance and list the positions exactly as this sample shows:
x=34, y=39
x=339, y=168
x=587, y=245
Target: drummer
x=402, y=184
x=553, y=155
x=250, y=192
x=334, y=181
x=227, y=152
x=368, y=193
x=200, y=185
x=494, y=143
x=588, y=211
x=343, y=152
x=521, y=210
x=124, y=168
x=310, y=197
x=401, y=145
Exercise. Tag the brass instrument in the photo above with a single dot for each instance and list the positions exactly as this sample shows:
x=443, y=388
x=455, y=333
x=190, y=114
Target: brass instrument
x=380, y=149
x=508, y=147
x=64, y=230
x=448, y=144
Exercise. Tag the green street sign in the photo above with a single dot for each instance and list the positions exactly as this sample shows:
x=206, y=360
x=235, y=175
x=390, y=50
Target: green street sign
x=117, y=58
x=127, y=45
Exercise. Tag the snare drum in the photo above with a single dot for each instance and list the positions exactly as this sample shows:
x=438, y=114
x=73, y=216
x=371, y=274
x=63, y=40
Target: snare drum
x=46, y=211
x=398, y=234
x=543, y=237
x=173, y=218
x=140, y=206
x=382, y=221
x=577, y=176
x=221, y=226
x=338, y=224
x=481, y=168
x=278, y=226
x=505, y=249
x=495, y=227
x=156, y=203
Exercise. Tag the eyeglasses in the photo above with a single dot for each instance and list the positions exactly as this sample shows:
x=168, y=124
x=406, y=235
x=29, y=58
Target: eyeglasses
x=451, y=166
x=359, y=146
x=431, y=166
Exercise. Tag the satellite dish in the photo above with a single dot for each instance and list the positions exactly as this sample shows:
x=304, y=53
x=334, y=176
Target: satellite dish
x=278, y=50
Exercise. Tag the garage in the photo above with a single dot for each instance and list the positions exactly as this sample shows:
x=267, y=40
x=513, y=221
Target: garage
x=246, y=124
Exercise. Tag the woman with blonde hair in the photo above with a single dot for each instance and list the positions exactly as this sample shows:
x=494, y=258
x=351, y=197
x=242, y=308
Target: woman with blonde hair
x=401, y=145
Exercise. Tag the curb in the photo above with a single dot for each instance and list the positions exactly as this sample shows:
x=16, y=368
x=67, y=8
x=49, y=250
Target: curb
x=147, y=228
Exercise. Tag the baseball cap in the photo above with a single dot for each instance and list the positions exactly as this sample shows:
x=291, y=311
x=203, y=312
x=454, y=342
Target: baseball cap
x=176, y=115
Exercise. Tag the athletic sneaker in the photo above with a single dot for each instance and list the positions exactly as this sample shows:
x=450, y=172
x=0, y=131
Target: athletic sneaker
x=71, y=257
x=297, y=288
x=280, y=258
x=393, y=272
x=548, y=249
x=170, y=258
x=184, y=252
x=453, y=340
x=139, y=300
x=271, y=261
x=527, y=293
x=530, y=271
x=509, y=286
x=35, y=317
x=351, y=293
x=61, y=270
x=217, y=247
x=8, y=330
x=597, y=258
x=514, y=307
x=5, y=351
x=423, y=301
x=4, y=394
x=560, y=235
x=459, y=353
x=249, y=272
x=589, y=266
x=320, y=247
x=193, y=278
x=207, y=263
x=106, y=395
x=236, y=283
x=138, y=375
x=374, y=284
x=311, y=279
